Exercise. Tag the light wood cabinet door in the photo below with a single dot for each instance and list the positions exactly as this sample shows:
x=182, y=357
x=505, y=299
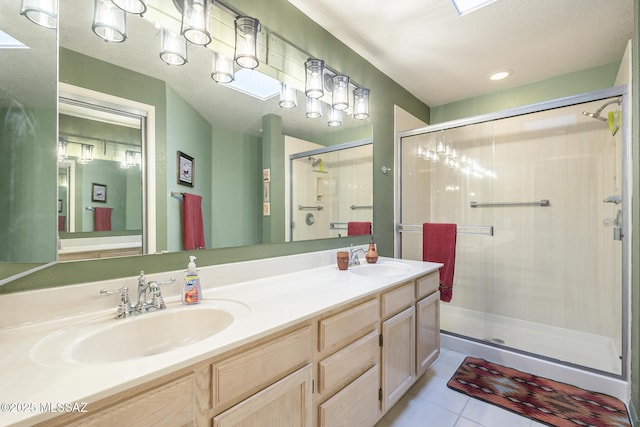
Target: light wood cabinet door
x=398, y=356
x=285, y=403
x=355, y=405
x=427, y=332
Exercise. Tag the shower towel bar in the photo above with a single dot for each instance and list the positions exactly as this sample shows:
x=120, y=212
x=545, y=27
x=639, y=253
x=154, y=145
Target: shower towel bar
x=90, y=208
x=310, y=208
x=543, y=202
x=354, y=207
x=483, y=230
x=337, y=225
x=177, y=195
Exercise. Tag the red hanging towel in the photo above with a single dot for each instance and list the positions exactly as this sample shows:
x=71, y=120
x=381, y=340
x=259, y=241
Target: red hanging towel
x=62, y=223
x=355, y=228
x=439, y=245
x=101, y=219
x=192, y=225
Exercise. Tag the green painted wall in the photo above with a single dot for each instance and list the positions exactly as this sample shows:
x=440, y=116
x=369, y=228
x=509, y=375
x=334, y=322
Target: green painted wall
x=190, y=133
x=236, y=198
x=557, y=87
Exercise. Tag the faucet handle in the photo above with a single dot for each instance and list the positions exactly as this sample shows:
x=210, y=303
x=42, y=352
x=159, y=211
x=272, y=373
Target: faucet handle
x=157, y=302
x=124, y=308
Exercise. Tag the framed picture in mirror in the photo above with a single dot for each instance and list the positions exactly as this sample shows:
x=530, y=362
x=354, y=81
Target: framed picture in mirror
x=186, y=168
x=98, y=193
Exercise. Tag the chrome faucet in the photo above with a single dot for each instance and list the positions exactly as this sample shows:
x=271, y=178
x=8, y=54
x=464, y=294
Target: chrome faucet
x=142, y=306
x=353, y=255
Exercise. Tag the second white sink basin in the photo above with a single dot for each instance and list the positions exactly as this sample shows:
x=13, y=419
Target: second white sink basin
x=384, y=269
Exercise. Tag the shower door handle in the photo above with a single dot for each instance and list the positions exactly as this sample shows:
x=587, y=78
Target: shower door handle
x=617, y=230
x=613, y=199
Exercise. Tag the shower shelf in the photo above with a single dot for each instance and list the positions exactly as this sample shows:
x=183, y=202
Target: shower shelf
x=543, y=202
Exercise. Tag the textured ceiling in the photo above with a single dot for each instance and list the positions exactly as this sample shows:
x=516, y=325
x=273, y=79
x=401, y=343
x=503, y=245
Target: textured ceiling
x=441, y=57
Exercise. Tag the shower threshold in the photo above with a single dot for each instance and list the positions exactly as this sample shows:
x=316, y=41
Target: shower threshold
x=574, y=347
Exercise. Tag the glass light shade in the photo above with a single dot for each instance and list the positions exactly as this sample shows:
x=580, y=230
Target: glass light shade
x=288, y=96
x=136, y=7
x=247, y=42
x=314, y=79
x=109, y=22
x=173, y=49
x=340, y=92
x=129, y=159
x=41, y=12
x=440, y=148
x=62, y=149
x=196, y=18
x=86, y=154
x=314, y=108
x=335, y=117
x=361, y=103
x=222, y=70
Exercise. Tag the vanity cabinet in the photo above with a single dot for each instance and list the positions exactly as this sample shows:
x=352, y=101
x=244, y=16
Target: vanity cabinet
x=344, y=367
x=427, y=322
x=398, y=343
x=348, y=369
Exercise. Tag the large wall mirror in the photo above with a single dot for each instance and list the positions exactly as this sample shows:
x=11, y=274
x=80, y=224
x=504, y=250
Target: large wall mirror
x=231, y=135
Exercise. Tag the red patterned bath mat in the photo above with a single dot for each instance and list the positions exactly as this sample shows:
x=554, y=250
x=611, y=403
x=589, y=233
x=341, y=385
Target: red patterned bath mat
x=549, y=402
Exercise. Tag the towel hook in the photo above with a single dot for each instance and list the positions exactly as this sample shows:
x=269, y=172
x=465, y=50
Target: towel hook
x=385, y=170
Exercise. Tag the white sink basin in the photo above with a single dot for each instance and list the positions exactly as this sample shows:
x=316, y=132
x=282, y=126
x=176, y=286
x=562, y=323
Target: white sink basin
x=108, y=340
x=150, y=334
x=385, y=269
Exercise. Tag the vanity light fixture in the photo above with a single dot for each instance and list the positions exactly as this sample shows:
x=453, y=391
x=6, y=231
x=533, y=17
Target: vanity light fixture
x=61, y=150
x=288, y=96
x=314, y=108
x=361, y=103
x=135, y=7
x=109, y=22
x=173, y=49
x=246, y=54
x=314, y=78
x=196, y=15
x=86, y=154
x=222, y=69
x=335, y=117
x=340, y=92
x=41, y=12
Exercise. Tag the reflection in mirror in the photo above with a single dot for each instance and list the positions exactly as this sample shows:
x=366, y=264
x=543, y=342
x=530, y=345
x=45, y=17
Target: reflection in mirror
x=27, y=139
x=331, y=191
x=99, y=181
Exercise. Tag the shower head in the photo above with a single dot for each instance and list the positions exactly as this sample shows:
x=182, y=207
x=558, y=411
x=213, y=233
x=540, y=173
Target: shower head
x=314, y=162
x=595, y=115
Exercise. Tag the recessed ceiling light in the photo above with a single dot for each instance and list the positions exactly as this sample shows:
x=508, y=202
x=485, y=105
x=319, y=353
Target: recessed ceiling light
x=499, y=75
x=467, y=6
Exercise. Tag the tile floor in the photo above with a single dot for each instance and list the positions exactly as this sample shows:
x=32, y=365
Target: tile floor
x=430, y=403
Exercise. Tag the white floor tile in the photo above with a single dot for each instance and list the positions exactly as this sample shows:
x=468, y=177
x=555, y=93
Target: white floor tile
x=447, y=364
x=464, y=422
x=434, y=389
x=493, y=416
x=412, y=411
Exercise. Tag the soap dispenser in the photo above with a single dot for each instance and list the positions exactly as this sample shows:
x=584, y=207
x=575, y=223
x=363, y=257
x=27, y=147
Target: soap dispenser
x=192, y=293
x=372, y=253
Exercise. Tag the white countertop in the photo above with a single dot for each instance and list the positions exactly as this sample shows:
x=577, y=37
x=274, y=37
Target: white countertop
x=272, y=294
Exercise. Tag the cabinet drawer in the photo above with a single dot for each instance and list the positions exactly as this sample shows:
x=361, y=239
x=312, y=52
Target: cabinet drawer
x=397, y=300
x=427, y=285
x=342, y=367
x=250, y=371
x=355, y=405
x=347, y=325
x=170, y=405
x=285, y=403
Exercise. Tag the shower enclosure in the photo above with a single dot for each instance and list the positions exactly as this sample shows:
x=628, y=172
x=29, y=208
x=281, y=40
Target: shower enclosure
x=330, y=187
x=538, y=195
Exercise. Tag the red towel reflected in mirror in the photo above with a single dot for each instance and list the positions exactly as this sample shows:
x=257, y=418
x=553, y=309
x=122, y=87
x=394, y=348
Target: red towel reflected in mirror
x=102, y=219
x=192, y=225
x=356, y=228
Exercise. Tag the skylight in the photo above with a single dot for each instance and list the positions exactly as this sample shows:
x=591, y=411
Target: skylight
x=254, y=83
x=8, y=42
x=467, y=6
